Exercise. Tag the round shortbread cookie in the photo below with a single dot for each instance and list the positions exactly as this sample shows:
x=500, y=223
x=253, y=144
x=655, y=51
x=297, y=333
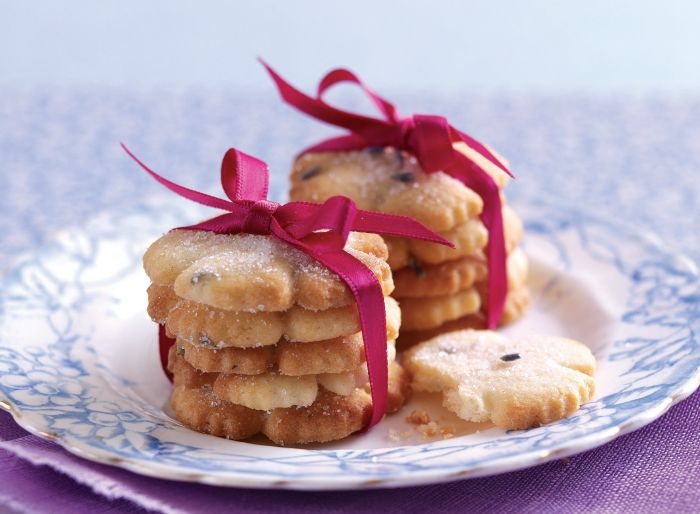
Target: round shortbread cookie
x=426, y=313
x=217, y=328
x=344, y=356
x=517, y=302
x=515, y=382
x=333, y=416
x=420, y=281
x=469, y=239
x=267, y=391
x=199, y=409
x=385, y=180
x=186, y=375
x=344, y=382
x=332, y=356
x=244, y=272
x=161, y=300
x=499, y=176
x=287, y=358
x=453, y=276
x=517, y=267
x=244, y=361
x=329, y=418
x=176, y=250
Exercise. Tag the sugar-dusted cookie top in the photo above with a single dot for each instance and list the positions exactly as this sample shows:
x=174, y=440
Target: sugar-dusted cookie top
x=244, y=272
x=515, y=382
x=386, y=180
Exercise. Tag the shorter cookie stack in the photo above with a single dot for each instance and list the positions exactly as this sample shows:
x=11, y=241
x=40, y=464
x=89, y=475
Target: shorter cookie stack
x=438, y=288
x=267, y=339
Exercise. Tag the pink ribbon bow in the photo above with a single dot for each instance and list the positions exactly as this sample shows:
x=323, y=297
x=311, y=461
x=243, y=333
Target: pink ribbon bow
x=430, y=139
x=319, y=230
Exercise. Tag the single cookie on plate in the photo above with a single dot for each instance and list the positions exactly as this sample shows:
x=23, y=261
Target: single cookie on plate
x=515, y=382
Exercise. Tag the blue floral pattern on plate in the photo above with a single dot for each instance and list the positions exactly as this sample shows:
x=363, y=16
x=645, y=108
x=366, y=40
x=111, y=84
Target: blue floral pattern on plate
x=78, y=362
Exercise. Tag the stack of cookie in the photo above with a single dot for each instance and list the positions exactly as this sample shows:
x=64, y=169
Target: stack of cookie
x=267, y=340
x=438, y=288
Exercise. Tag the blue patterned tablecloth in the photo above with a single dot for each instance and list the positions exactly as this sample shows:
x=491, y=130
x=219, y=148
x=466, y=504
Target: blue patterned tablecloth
x=634, y=159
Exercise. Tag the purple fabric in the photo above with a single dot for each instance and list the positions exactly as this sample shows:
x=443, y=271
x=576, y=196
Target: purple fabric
x=655, y=469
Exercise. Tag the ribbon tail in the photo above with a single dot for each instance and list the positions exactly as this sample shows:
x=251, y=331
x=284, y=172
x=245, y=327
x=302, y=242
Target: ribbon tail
x=481, y=182
x=317, y=108
x=338, y=144
x=164, y=344
x=227, y=223
x=372, y=310
x=496, y=254
x=369, y=298
x=479, y=147
x=190, y=194
x=342, y=75
x=395, y=225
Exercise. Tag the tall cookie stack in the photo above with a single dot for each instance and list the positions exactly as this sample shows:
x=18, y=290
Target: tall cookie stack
x=439, y=289
x=267, y=339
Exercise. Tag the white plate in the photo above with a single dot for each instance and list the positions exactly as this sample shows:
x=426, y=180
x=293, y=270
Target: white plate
x=79, y=364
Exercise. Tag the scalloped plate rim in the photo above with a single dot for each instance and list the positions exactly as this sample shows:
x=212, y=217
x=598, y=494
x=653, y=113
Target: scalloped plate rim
x=426, y=476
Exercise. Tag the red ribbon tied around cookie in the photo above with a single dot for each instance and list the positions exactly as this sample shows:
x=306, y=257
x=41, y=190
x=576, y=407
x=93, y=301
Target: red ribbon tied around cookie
x=430, y=139
x=319, y=230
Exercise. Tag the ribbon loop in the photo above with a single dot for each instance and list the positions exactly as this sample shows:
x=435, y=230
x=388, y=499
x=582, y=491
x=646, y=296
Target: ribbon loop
x=244, y=177
x=342, y=75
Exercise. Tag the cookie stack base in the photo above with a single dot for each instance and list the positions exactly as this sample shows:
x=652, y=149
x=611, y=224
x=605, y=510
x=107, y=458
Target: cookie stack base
x=330, y=417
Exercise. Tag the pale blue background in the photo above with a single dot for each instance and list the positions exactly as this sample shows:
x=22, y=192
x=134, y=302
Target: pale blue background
x=538, y=45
